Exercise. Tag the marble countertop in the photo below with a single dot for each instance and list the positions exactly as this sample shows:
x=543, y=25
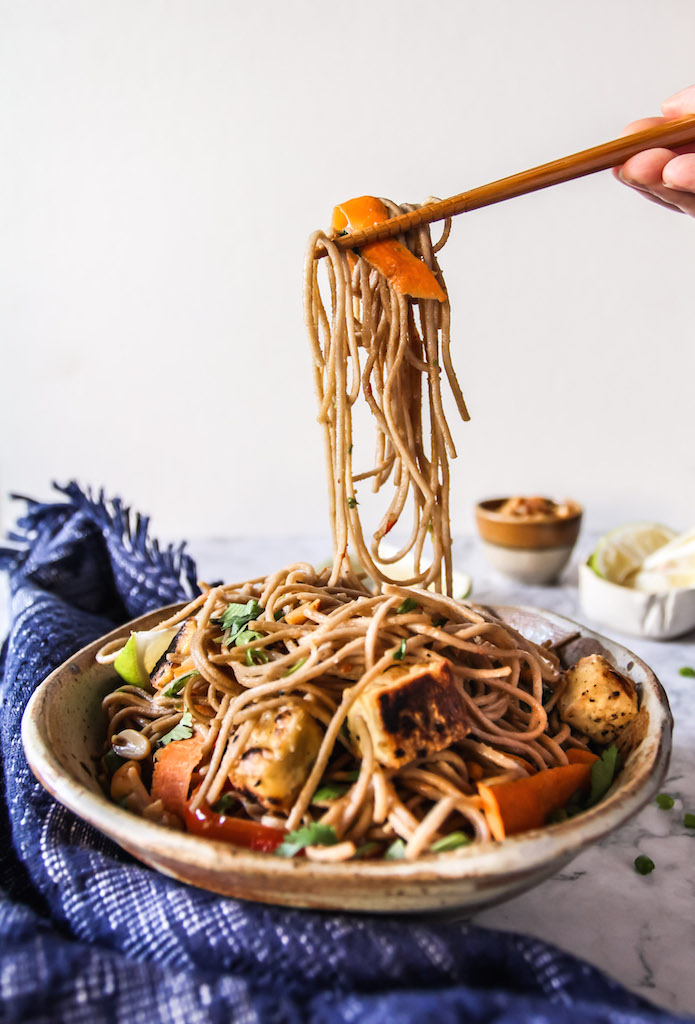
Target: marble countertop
x=640, y=929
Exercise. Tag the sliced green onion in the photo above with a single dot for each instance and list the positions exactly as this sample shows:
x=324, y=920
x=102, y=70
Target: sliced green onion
x=450, y=842
x=399, y=653
x=644, y=865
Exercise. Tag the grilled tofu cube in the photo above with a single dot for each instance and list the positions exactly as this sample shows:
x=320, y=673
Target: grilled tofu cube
x=597, y=699
x=410, y=711
x=279, y=755
x=163, y=672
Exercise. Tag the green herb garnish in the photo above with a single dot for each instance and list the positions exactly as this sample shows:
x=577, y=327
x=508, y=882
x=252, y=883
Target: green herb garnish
x=234, y=619
x=557, y=816
x=279, y=614
x=309, y=835
x=689, y=820
x=365, y=849
x=399, y=653
x=226, y=803
x=450, y=842
x=396, y=850
x=331, y=791
x=665, y=801
x=112, y=762
x=602, y=774
x=256, y=656
x=644, y=865
x=352, y=502
x=409, y=605
x=246, y=636
x=687, y=671
x=439, y=621
x=178, y=684
x=182, y=731
x=297, y=665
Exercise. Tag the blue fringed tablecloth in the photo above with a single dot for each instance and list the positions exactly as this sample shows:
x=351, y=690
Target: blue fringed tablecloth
x=89, y=935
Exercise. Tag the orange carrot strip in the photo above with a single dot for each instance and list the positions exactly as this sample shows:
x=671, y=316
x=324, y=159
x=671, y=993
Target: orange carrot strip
x=401, y=268
x=577, y=756
x=172, y=772
x=516, y=806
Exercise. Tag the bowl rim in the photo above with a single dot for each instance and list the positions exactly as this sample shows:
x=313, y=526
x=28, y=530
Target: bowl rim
x=485, y=508
x=525, y=853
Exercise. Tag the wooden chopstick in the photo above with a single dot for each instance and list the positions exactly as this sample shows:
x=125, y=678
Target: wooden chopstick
x=588, y=161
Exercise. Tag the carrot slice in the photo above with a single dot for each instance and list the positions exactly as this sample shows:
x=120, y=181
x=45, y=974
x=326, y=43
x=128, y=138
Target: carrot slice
x=516, y=806
x=577, y=756
x=172, y=772
x=403, y=270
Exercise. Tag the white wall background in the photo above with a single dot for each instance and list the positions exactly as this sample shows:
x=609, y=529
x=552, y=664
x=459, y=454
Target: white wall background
x=162, y=163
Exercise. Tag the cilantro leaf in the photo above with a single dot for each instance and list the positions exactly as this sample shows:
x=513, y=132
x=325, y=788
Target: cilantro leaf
x=665, y=801
x=408, y=605
x=235, y=617
x=687, y=671
x=309, y=835
x=439, y=621
x=179, y=683
x=352, y=502
x=182, y=731
x=689, y=820
x=226, y=803
x=602, y=774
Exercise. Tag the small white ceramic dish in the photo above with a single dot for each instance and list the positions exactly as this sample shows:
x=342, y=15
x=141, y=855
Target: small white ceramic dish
x=661, y=616
x=63, y=731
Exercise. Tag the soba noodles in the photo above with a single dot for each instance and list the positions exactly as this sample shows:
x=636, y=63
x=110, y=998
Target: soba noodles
x=312, y=710
x=313, y=649
x=371, y=342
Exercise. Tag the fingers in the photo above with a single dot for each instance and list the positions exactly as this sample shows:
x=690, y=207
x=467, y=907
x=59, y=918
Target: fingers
x=664, y=176
x=679, y=173
x=681, y=104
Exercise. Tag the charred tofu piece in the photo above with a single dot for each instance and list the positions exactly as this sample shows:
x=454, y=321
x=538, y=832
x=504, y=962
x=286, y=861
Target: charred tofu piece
x=163, y=672
x=410, y=711
x=597, y=699
x=279, y=755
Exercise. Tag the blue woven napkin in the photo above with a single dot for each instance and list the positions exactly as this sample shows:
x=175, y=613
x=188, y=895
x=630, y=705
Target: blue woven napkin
x=89, y=935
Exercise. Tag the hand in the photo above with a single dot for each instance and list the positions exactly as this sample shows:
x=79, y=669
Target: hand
x=665, y=176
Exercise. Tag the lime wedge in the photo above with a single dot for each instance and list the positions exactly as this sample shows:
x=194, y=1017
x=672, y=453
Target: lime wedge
x=676, y=556
x=620, y=554
x=141, y=653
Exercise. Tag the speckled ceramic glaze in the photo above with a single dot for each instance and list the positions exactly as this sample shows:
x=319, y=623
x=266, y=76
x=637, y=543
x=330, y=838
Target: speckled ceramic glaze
x=63, y=732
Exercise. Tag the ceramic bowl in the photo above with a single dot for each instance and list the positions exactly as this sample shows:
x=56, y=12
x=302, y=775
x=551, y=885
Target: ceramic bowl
x=63, y=732
x=661, y=616
x=530, y=551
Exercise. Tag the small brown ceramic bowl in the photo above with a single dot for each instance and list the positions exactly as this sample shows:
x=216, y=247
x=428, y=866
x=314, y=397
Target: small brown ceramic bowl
x=63, y=733
x=532, y=549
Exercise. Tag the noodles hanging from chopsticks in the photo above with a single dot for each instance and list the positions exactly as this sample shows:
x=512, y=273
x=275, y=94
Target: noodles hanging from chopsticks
x=372, y=343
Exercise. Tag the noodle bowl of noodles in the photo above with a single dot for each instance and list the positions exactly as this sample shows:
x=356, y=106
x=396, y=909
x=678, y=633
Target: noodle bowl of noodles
x=64, y=733
x=311, y=737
